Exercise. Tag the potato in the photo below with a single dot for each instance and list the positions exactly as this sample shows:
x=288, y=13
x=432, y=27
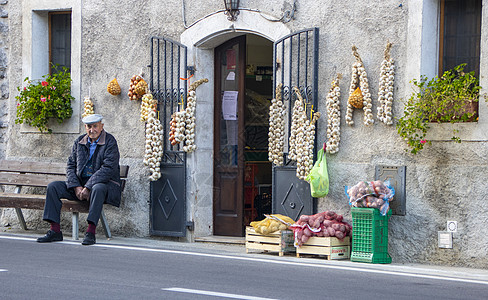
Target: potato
x=321, y=217
x=331, y=231
x=299, y=234
x=307, y=232
x=311, y=221
x=317, y=223
x=331, y=214
x=327, y=223
x=339, y=234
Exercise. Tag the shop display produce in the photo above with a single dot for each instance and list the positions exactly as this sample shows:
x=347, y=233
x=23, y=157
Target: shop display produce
x=113, y=87
x=148, y=104
x=371, y=194
x=137, y=88
x=359, y=93
x=87, y=107
x=154, y=146
x=271, y=234
x=280, y=241
x=182, y=124
x=177, y=127
x=276, y=133
x=190, y=116
x=272, y=223
x=302, y=136
x=385, y=93
x=333, y=117
x=324, y=224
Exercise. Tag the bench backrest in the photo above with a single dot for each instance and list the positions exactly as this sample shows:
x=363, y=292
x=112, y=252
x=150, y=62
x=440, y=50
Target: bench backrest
x=39, y=174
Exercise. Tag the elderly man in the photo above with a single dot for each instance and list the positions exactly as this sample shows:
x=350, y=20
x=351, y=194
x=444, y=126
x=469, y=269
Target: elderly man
x=93, y=174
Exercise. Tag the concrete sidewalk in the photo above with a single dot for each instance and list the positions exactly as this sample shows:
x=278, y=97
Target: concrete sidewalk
x=234, y=248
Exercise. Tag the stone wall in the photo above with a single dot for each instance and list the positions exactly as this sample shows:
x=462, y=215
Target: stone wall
x=4, y=89
x=444, y=182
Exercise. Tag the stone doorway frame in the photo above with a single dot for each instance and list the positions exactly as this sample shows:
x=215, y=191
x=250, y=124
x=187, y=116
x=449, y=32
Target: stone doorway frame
x=201, y=39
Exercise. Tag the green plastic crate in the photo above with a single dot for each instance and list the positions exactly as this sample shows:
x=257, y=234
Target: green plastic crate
x=370, y=236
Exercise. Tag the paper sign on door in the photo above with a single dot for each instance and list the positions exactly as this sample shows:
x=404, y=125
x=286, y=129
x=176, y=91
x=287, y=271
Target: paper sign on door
x=231, y=76
x=229, y=105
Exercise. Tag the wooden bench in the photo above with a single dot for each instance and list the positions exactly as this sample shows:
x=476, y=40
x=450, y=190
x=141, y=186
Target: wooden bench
x=40, y=174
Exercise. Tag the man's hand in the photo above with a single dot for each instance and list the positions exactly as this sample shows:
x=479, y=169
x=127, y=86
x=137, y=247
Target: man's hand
x=85, y=194
x=78, y=191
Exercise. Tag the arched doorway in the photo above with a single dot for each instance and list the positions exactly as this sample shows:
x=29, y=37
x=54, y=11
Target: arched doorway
x=202, y=39
x=294, y=66
x=242, y=172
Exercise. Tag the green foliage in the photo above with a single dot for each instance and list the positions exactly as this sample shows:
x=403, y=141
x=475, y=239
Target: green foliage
x=445, y=99
x=45, y=99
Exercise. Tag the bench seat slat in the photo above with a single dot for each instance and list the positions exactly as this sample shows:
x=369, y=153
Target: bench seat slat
x=30, y=201
x=32, y=167
x=44, y=168
x=38, y=180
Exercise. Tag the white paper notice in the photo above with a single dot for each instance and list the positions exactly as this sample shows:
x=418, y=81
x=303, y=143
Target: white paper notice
x=231, y=76
x=231, y=127
x=229, y=105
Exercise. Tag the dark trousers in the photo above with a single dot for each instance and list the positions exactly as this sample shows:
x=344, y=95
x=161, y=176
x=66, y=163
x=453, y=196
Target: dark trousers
x=57, y=190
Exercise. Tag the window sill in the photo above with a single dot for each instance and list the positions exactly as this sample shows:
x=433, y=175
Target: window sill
x=470, y=131
x=71, y=125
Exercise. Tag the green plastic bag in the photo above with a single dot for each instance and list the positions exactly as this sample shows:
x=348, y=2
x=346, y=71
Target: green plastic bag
x=319, y=177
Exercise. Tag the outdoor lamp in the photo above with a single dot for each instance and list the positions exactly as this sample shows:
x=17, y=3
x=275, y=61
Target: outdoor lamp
x=231, y=9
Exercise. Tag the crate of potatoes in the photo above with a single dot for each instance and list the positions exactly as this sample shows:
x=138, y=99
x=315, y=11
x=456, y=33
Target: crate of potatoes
x=323, y=234
x=270, y=235
x=280, y=241
x=330, y=247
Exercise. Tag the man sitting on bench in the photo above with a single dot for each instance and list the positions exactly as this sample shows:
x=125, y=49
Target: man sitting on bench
x=93, y=174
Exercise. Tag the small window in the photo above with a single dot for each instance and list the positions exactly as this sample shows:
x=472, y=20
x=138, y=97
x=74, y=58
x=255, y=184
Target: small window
x=59, y=40
x=460, y=35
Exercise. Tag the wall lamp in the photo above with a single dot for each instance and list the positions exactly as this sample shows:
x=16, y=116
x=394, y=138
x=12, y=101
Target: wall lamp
x=231, y=9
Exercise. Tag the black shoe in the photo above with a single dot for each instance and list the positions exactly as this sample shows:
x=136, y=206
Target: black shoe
x=51, y=236
x=89, y=239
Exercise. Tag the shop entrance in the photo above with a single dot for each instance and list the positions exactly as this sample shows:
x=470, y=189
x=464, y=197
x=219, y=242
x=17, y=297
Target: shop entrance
x=242, y=172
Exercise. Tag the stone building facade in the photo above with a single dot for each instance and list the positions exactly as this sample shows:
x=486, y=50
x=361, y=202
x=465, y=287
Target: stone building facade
x=4, y=88
x=446, y=181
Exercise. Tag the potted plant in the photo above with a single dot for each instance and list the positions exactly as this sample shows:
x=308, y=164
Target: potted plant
x=41, y=100
x=452, y=98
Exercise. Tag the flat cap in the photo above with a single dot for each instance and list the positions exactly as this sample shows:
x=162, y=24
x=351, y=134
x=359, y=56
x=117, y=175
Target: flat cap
x=92, y=119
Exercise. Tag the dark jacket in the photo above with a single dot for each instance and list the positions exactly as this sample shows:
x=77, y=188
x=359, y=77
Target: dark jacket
x=106, y=167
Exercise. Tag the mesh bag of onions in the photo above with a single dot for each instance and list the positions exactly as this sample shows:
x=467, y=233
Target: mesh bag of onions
x=272, y=223
x=372, y=194
x=324, y=224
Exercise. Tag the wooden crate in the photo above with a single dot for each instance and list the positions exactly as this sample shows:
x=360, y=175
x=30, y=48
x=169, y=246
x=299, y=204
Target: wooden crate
x=331, y=247
x=279, y=241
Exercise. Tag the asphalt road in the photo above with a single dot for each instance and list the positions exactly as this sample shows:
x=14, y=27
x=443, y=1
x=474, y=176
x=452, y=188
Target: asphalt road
x=67, y=270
